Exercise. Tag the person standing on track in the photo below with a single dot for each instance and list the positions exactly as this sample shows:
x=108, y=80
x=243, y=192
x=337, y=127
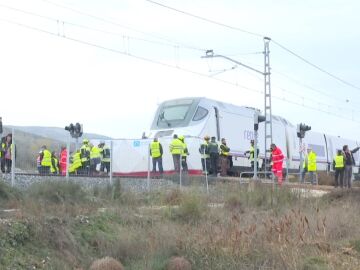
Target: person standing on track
x=277, y=162
x=156, y=152
x=339, y=167
x=349, y=162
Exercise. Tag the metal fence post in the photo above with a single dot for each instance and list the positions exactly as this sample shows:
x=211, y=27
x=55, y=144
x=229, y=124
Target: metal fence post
x=13, y=150
x=148, y=168
x=301, y=180
x=287, y=170
x=180, y=173
x=206, y=173
x=111, y=161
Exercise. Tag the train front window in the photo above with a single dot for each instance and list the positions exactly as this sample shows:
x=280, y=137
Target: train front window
x=175, y=113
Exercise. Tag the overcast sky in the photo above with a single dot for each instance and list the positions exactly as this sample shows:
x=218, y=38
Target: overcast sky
x=51, y=76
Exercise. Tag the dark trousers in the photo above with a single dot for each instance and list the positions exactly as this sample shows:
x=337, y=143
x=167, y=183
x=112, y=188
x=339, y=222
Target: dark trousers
x=184, y=164
x=224, y=165
x=214, y=160
x=105, y=165
x=347, y=176
x=205, y=162
x=157, y=161
x=85, y=168
x=6, y=165
x=45, y=170
x=176, y=160
x=339, y=173
x=93, y=164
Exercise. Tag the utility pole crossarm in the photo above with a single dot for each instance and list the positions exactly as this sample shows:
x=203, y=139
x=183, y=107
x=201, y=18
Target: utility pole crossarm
x=232, y=60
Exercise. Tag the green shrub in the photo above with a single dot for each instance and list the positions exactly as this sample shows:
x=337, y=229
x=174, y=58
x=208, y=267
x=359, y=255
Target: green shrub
x=191, y=209
x=315, y=263
x=8, y=193
x=14, y=234
x=356, y=245
x=57, y=192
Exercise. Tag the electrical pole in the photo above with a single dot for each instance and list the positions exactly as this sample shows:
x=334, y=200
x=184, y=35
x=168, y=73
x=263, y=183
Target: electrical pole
x=267, y=103
x=267, y=93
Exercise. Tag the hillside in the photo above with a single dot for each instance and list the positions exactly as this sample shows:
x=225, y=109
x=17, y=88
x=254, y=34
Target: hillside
x=54, y=133
x=30, y=139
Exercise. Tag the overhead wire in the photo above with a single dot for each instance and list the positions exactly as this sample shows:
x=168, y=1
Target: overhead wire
x=92, y=28
x=304, y=85
x=166, y=65
x=316, y=66
x=109, y=21
x=257, y=35
x=127, y=54
x=205, y=19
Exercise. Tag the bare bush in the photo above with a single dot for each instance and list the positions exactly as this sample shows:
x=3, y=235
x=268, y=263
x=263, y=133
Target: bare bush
x=178, y=263
x=106, y=263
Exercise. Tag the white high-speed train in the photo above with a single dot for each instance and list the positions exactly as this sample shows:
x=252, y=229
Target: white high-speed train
x=197, y=117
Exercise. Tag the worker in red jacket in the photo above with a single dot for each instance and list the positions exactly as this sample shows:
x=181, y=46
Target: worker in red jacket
x=277, y=159
x=62, y=163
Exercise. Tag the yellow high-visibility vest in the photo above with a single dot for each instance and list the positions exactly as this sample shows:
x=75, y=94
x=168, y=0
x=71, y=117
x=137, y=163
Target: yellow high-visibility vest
x=176, y=147
x=311, y=162
x=95, y=152
x=105, y=154
x=339, y=161
x=46, y=160
x=56, y=168
x=223, y=151
x=76, y=162
x=155, y=149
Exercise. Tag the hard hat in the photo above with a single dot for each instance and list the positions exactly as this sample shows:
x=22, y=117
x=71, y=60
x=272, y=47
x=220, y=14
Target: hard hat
x=181, y=137
x=206, y=137
x=85, y=141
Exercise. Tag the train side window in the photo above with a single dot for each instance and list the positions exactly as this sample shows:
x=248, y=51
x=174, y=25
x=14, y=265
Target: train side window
x=318, y=149
x=200, y=113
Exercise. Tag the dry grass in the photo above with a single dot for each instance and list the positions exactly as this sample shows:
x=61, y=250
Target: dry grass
x=265, y=228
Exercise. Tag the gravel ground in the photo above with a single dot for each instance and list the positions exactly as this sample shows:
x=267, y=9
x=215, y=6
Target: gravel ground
x=127, y=184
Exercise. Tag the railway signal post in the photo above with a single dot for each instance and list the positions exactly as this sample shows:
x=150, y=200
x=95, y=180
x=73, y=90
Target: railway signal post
x=301, y=130
x=257, y=119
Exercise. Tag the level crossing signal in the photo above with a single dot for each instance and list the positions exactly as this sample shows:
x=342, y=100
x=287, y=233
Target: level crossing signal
x=76, y=130
x=301, y=130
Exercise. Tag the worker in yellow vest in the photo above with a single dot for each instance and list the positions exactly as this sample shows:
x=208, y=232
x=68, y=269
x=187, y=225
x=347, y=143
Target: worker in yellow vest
x=54, y=169
x=224, y=161
x=2, y=154
x=7, y=149
x=105, y=152
x=85, y=157
x=309, y=166
x=205, y=156
x=45, y=158
x=156, y=152
x=251, y=155
x=75, y=162
x=95, y=158
x=339, y=167
x=176, y=148
x=184, y=154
